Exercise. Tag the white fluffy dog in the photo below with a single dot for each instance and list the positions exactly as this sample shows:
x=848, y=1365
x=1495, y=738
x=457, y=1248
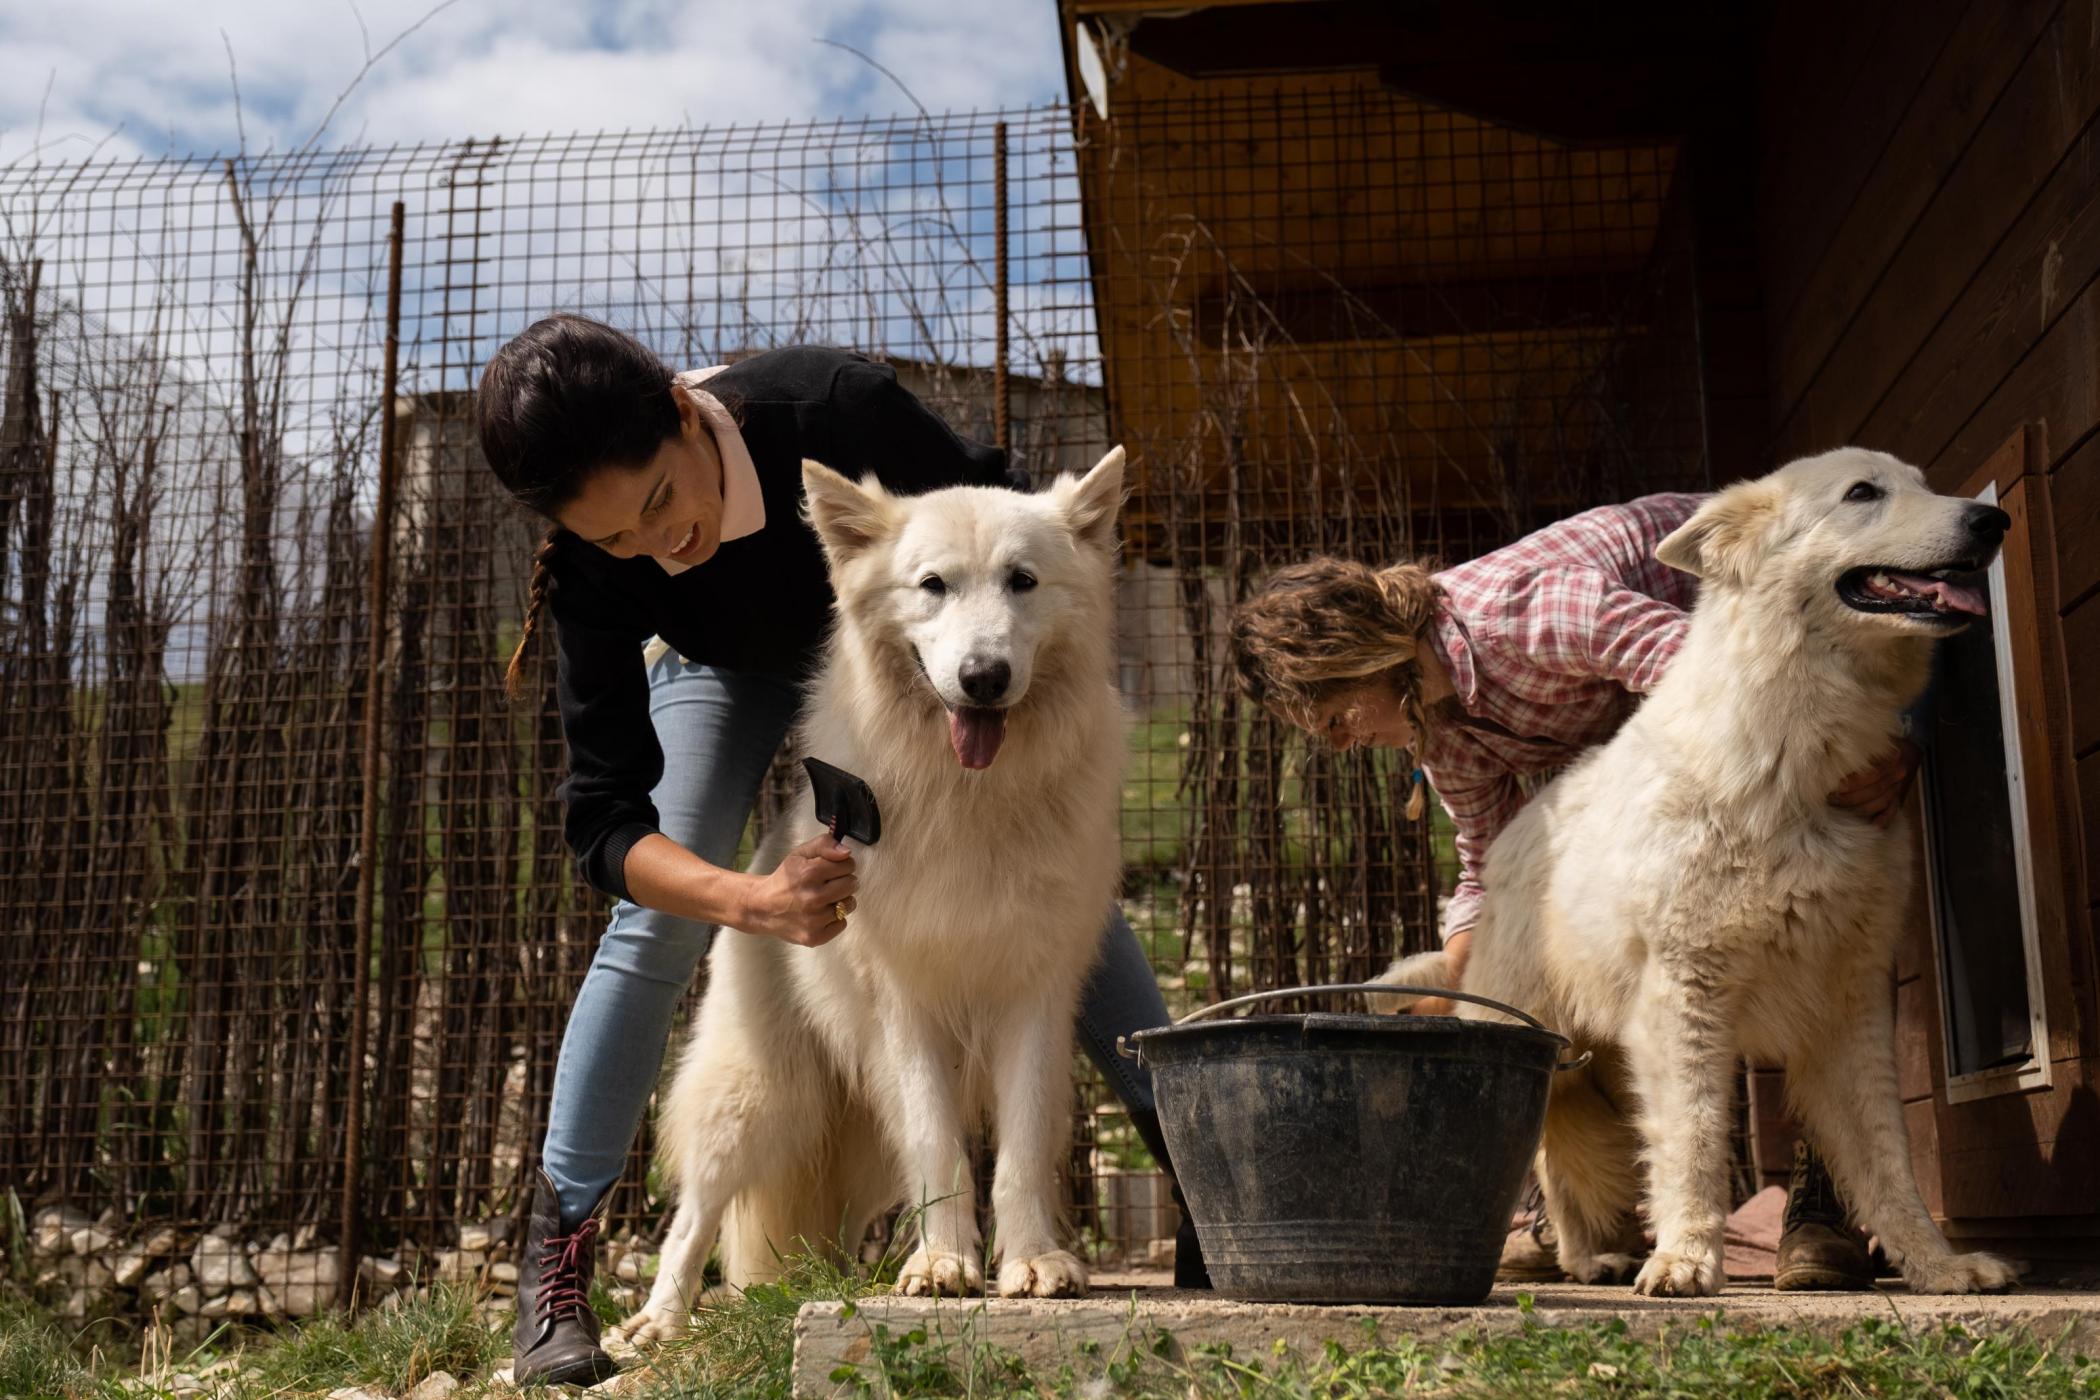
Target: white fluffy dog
x=970, y=681
x=1685, y=894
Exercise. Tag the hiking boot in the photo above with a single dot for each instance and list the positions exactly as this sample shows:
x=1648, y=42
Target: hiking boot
x=1531, y=1254
x=1820, y=1250
x=555, y=1339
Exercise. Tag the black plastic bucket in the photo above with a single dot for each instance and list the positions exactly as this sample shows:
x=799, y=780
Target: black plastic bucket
x=1333, y=1158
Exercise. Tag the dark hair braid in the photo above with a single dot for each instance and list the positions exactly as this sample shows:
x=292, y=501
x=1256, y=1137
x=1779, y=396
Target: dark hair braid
x=535, y=600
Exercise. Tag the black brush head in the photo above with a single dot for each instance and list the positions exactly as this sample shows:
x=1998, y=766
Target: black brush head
x=844, y=802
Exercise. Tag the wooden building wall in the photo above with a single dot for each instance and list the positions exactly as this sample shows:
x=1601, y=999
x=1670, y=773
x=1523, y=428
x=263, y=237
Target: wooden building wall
x=1927, y=234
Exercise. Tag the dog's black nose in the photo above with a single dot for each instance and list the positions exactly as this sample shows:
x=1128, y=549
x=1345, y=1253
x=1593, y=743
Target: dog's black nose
x=1988, y=523
x=984, y=680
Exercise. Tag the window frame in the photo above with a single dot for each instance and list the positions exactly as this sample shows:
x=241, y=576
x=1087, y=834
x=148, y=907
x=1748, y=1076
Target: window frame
x=2036, y=1071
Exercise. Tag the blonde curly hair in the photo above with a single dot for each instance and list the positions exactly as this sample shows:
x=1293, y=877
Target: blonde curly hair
x=1321, y=626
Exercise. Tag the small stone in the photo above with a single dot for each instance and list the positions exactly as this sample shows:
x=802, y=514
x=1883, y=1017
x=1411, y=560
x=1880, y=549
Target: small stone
x=280, y=1244
x=460, y=1265
x=100, y=1276
x=224, y=1230
x=502, y=1374
x=628, y=1269
x=438, y=1385
x=92, y=1239
x=67, y=1271
x=314, y=1266
x=76, y=1306
x=188, y=1300
x=159, y=1287
x=242, y=1302
x=357, y=1392
x=305, y=1299
x=133, y=1264
x=219, y=1264
x=308, y=1233
x=54, y=1228
x=267, y=1302
x=380, y=1273
x=503, y=1271
x=476, y=1237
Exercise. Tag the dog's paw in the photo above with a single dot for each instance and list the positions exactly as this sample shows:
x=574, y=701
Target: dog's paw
x=1960, y=1273
x=1601, y=1268
x=654, y=1323
x=928, y=1274
x=1053, y=1275
x=1679, y=1276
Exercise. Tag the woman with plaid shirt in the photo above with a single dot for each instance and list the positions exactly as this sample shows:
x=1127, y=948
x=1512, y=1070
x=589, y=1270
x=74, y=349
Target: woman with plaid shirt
x=1496, y=674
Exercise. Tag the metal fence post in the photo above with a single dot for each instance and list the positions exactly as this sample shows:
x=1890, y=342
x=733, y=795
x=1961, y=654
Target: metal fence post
x=1002, y=388
x=368, y=828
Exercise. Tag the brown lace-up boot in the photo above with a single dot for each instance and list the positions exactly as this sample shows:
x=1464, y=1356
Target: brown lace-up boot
x=1819, y=1248
x=555, y=1340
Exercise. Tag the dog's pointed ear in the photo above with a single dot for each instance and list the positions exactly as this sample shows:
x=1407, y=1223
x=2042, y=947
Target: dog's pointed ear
x=1093, y=502
x=847, y=515
x=1722, y=540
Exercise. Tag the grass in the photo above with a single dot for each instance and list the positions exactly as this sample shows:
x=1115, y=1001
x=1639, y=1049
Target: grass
x=1874, y=1358
x=745, y=1348
x=392, y=1348
x=389, y=1349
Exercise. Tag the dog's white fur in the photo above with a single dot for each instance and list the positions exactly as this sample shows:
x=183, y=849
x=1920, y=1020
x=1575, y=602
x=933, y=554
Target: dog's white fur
x=823, y=1086
x=1685, y=894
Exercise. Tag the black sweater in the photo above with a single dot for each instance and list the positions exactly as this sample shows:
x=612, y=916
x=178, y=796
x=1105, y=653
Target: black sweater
x=761, y=604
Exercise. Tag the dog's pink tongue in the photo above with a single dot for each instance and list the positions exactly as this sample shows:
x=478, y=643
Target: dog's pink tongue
x=976, y=735
x=1946, y=596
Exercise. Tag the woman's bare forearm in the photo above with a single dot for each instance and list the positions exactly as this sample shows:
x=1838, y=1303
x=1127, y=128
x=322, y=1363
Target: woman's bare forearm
x=663, y=875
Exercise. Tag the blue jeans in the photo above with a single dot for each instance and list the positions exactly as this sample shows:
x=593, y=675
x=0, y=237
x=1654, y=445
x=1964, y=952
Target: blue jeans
x=719, y=731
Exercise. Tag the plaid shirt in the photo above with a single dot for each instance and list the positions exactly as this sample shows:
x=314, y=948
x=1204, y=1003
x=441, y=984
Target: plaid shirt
x=1547, y=642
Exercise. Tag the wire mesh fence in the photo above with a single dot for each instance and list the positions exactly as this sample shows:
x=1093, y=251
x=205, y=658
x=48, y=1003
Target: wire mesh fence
x=1329, y=319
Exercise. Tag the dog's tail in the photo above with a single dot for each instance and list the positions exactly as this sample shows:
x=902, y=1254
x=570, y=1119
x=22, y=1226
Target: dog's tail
x=1421, y=970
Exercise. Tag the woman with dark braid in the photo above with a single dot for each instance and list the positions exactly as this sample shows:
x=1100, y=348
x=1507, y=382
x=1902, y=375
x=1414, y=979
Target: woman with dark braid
x=688, y=600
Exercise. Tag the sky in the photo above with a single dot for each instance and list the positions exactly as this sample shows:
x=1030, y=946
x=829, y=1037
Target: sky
x=121, y=79
x=153, y=77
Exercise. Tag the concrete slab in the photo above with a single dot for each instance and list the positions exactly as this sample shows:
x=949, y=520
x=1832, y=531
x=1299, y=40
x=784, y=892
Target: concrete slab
x=828, y=1336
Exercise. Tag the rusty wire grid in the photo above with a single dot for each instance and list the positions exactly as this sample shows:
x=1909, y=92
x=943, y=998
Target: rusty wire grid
x=1321, y=319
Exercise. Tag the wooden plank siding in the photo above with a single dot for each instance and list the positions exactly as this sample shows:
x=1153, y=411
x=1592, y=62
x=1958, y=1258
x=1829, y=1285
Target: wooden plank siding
x=1999, y=198
x=1932, y=288
x=1831, y=106
x=1941, y=125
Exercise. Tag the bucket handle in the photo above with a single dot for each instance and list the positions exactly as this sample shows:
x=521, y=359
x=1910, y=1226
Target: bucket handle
x=1278, y=993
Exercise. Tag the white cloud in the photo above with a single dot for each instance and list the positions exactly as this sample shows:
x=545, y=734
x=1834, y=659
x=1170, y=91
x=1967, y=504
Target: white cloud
x=159, y=71
x=700, y=245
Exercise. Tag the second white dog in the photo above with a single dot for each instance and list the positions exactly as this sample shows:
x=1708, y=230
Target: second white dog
x=1686, y=895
